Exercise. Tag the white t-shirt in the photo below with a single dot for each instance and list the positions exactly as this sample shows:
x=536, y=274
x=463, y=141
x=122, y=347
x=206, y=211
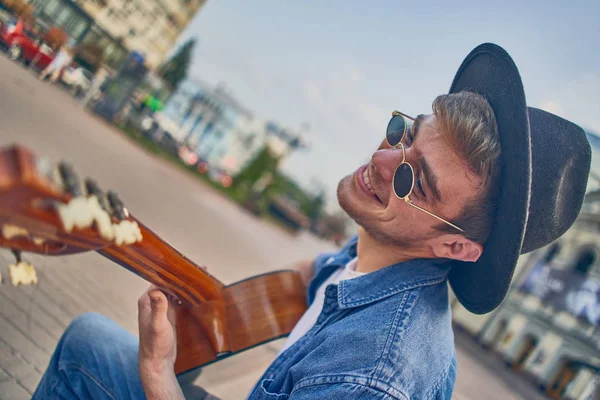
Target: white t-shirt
x=309, y=318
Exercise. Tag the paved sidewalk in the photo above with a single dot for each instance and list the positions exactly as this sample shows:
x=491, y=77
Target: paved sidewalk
x=482, y=375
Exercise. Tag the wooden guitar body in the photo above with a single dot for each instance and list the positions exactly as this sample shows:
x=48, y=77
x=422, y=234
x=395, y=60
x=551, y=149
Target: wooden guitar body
x=257, y=310
x=214, y=320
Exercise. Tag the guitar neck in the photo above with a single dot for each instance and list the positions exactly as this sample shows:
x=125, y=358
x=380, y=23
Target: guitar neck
x=159, y=263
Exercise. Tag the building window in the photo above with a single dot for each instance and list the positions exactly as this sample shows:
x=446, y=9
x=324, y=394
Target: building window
x=63, y=16
x=552, y=253
x=79, y=28
x=52, y=7
x=584, y=262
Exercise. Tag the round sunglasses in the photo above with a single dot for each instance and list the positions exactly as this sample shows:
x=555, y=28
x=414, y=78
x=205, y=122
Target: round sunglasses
x=404, y=176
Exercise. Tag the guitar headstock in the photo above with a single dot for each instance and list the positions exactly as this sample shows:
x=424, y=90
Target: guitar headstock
x=47, y=209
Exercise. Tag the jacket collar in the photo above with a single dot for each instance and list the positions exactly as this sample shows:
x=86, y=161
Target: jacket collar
x=390, y=280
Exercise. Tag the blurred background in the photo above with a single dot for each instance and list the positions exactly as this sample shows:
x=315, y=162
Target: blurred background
x=226, y=126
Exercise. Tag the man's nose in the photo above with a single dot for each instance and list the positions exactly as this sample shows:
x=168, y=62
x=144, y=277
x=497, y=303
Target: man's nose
x=386, y=161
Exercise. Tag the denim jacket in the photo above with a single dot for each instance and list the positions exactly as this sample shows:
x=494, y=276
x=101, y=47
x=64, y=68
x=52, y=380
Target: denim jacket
x=383, y=335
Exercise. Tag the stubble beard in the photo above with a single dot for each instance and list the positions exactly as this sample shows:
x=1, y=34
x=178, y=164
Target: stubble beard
x=347, y=201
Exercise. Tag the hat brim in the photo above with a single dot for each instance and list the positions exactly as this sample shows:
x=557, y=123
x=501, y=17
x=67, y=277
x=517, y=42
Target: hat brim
x=489, y=71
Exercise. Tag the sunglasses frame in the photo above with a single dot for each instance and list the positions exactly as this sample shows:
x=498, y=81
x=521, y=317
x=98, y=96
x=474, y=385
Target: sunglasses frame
x=399, y=145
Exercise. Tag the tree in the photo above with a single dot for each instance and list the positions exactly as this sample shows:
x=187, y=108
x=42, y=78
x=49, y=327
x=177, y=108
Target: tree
x=91, y=54
x=175, y=70
x=264, y=162
x=21, y=9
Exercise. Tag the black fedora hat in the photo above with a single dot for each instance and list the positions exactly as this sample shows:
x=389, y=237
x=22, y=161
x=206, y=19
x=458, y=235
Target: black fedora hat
x=545, y=167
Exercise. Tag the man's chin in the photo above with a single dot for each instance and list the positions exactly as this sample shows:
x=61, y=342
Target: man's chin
x=347, y=202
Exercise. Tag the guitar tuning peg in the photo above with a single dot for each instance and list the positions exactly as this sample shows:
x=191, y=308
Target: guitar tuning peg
x=21, y=273
x=117, y=206
x=71, y=182
x=126, y=232
x=93, y=189
x=17, y=254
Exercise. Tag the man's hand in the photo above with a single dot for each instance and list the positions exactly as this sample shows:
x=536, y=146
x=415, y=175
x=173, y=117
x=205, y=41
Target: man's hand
x=156, y=319
x=158, y=345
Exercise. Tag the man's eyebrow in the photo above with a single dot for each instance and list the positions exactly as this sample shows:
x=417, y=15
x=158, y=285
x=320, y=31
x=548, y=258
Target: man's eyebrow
x=431, y=178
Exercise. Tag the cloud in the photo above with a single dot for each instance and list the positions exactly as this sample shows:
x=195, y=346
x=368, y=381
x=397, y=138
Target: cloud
x=373, y=115
x=576, y=100
x=551, y=106
x=314, y=93
x=354, y=73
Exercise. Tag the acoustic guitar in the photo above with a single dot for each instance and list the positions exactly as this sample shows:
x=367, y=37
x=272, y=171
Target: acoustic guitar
x=48, y=210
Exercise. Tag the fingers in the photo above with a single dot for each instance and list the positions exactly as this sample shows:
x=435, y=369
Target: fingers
x=155, y=305
x=171, y=297
x=162, y=309
x=158, y=302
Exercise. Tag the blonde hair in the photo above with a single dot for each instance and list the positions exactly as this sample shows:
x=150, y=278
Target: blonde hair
x=468, y=124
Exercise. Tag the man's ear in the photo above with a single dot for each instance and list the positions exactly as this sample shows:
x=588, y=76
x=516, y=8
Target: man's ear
x=457, y=247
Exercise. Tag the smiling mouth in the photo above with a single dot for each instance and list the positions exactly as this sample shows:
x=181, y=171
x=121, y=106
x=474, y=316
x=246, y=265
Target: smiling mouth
x=367, y=181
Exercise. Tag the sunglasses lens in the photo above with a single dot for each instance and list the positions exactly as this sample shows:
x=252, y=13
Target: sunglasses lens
x=403, y=180
x=395, y=130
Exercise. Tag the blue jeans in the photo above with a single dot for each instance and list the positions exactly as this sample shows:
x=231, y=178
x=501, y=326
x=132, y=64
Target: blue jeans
x=96, y=359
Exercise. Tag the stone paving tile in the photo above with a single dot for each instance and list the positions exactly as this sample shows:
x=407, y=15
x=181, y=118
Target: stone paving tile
x=3, y=375
x=28, y=349
x=11, y=390
x=84, y=292
x=35, y=299
x=34, y=311
x=30, y=381
x=12, y=364
x=23, y=321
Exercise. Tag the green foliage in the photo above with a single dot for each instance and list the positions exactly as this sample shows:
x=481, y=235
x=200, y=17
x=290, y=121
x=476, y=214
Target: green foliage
x=264, y=162
x=281, y=185
x=284, y=185
x=175, y=70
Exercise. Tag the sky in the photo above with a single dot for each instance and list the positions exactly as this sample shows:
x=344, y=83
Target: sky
x=344, y=66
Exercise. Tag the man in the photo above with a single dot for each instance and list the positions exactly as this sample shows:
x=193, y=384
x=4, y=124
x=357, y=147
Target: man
x=456, y=197
x=61, y=60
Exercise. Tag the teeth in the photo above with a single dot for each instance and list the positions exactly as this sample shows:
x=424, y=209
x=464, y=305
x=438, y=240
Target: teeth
x=367, y=181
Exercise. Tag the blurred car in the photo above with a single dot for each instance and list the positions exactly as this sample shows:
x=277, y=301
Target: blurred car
x=219, y=175
x=188, y=156
x=202, y=167
x=25, y=44
x=77, y=78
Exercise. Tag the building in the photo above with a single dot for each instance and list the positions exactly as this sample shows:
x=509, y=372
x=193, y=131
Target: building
x=548, y=328
x=206, y=118
x=149, y=27
x=252, y=134
x=64, y=13
x=222, y=131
